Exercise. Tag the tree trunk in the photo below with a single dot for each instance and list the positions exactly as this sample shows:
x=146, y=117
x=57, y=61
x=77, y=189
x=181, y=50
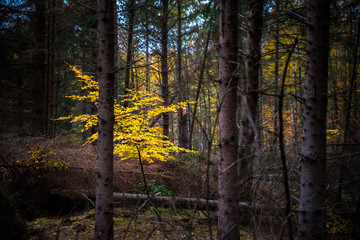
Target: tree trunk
x=104, y=176
x=182, y=114
x=116, y=55
x=52, y=85
x=147, y=54
x=38, y=108
x=228, y=210
x=129, y=57
x=249, y=101
x=276, y=75
x=313, y=151
x=164, y=66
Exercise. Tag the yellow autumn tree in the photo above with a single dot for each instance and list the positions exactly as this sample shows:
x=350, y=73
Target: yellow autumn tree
x=134, y=135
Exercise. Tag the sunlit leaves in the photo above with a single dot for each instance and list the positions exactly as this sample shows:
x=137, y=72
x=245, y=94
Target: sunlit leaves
x=134, y=135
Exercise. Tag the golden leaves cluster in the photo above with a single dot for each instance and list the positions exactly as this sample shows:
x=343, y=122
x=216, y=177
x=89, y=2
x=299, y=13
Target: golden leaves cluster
x=134, y=135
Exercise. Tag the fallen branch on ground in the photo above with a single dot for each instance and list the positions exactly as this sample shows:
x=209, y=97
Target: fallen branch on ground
x=121, y=199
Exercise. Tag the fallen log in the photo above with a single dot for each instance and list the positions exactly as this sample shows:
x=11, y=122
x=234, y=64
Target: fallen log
x=161, y=201
x=126, y=199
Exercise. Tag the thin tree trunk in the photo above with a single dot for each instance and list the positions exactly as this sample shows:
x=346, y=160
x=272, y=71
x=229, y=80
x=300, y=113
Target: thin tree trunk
x=116, y=52
x=282, y=147
x=228, y=210
x=250, y=99
x=312, y=213
x=276, y=77
x=347, y=133
x=164, y=66
x=147, y=55
x=104, y=175
x=52, y=90
x=38, y=108
x=182, y=114
x=95, y=59
x=129, y=57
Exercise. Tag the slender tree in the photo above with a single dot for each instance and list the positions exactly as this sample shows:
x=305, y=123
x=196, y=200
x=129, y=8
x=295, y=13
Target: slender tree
x=249, y=101
x=52, y=82
x=228, y=211
x=164, y=65
x=313, y=150
x=104, y=175
x=182, y=115
x=276, y=74
x=129, y=55
x=116, y=54
x=38, y=58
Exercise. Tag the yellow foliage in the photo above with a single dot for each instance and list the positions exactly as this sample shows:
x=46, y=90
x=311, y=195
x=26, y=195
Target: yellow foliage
x=338, y=225
x=333, y=135
x=42, y=160
x=134, y=136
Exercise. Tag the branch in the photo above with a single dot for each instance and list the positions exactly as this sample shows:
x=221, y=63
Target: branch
x=296, y=17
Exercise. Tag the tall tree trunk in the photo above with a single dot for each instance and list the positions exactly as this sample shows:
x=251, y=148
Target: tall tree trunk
x=276, y=75
x=52, y=87
x=116, y=52
x=313, y=151
x=38, y=108
x=94, y=61
x=104, y=176
x=228, y=211
x=129, y=57
x=347, y=131
x=249, y=101
x=182, y=114
x=164, y=66
x=147, y=55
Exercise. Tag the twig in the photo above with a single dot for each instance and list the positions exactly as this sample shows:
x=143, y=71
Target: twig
x=227, y=232
x=91, y=201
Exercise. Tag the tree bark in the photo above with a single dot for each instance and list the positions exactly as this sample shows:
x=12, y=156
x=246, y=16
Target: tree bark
x=104, y=175
x=182, y=114
x=38, y=108
x=276, y=74
x=249, y=101
x=129, y=57
x=116, y=53
x=312, y=214
x=52, y=90
x=282, y=146
x=164, y=66
x=228, y=210
x=147, y=54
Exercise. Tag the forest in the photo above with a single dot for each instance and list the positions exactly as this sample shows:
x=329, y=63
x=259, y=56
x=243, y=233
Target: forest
x=179, y=119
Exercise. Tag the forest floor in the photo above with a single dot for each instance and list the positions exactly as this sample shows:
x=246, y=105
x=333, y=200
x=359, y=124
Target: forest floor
x=127, y=225
x=56, y=206
x=51, y=184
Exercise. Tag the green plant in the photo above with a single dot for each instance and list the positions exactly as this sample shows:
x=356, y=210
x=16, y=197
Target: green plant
x=193, y=166
x=154, y=187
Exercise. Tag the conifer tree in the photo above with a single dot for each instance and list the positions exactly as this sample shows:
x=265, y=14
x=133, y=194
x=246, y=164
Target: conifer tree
x=313, y=150
x=104, y=173
x=228, y=210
